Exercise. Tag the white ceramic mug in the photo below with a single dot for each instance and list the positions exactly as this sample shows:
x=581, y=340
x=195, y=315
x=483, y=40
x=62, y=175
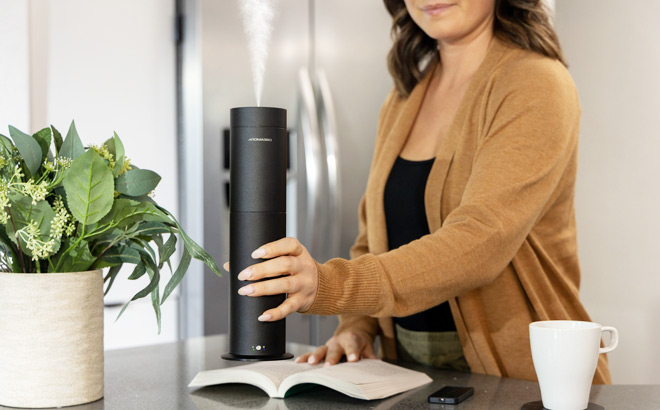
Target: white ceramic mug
x=565, y=354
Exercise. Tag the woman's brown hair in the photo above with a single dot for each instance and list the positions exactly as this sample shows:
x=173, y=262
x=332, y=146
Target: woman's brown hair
x=523, y=23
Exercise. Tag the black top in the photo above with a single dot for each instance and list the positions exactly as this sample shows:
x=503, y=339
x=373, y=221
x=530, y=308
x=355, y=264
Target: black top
x=405, y=217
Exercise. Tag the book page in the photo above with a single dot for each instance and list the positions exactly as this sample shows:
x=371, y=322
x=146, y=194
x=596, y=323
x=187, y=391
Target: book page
x=278, y=370
x=266, y=375
x=367, y=371
x=366, y=379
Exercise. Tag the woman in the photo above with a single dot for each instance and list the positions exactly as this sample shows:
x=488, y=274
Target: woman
x=485, y=118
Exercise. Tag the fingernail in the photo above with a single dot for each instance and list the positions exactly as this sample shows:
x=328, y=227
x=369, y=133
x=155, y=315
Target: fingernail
x=264, y=317
x=246, y=290
x=259, y=253
x=326, y=364
x=226, y=266
x=245, y=274
x=311, y=360
x=352, y=357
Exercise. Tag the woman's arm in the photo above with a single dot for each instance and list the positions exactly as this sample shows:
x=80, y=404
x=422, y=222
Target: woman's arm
x=355, y=334
x=529, y=137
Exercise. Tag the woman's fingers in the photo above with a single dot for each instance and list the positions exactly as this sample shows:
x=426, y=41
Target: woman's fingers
x=288, y=249
x=353, y=345
x=333, y=356
x=290, y=270
x=303, y=358
x=368, y=352
x=301, y=295
x=318, y=355
x=284, y=246
x=313, y=357
x=283, y=265
x=284, y=284
x=287, y=307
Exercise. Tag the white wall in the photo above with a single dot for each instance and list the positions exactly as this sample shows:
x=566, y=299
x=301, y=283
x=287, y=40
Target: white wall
x=14, y=65
x=613, y=51
x=110, y=65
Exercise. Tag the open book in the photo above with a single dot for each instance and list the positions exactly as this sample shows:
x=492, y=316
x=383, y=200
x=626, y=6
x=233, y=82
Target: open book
x=366, y=379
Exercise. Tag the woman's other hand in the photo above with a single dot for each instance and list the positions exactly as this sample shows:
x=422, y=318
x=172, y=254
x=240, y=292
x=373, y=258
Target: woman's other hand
x=294, y=272
x=353, y=345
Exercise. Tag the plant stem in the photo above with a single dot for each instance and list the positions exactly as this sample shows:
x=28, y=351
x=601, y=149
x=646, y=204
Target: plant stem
x=98, y=258
x=98, y=232
x=18, y=240
x=76, y=243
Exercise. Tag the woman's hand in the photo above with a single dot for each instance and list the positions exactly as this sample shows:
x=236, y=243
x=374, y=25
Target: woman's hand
x=353, y=345
x=289, y=259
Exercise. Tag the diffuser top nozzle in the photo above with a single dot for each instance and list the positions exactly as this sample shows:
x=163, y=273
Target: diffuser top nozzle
x=258, y=117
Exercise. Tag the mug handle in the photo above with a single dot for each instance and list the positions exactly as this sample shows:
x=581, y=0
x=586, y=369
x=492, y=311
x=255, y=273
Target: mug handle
x=614, y=339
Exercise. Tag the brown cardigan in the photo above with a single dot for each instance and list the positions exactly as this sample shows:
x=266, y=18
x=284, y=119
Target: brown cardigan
x=499, y=203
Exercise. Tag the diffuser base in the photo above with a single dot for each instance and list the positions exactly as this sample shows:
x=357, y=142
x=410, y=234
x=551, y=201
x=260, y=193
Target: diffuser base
x=230, y=356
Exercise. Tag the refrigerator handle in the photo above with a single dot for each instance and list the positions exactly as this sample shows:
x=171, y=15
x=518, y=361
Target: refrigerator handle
x=330, y=138
x=309, y=137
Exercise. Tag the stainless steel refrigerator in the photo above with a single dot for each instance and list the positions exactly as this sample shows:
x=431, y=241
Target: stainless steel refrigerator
x=327, y=68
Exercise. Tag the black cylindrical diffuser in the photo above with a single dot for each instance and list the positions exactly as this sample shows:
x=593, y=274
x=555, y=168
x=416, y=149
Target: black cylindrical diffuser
x=257, y=215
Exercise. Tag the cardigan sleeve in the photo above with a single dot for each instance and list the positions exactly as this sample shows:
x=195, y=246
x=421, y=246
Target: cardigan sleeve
x=359, y=323
x=529, y=126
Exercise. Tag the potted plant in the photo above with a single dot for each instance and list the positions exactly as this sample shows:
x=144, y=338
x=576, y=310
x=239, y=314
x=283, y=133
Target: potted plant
x=67, y=212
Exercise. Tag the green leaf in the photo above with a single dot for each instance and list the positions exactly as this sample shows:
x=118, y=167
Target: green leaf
x=153, y=273
x=151, y=228
x=126, y=212
x=195, y=250
x=142, y=247
x=121, y=312
x=72, y=147
x=89, y=187
x=22, y=212
x=29, y=149
x=6, y=144
x=137, y=182
x=166, y=250
x=140, y=269
x=152, y=287
x=116, y=148
x=111, y=275
x=10, y=247
x=121, y=254
x=43, y=137
x=178, y=275
x=141, y=198
x=77, y=259
x=57, y=137
x=155, y=302
x=158, y=240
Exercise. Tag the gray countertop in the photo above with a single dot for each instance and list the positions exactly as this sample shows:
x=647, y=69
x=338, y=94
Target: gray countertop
x=156, y=377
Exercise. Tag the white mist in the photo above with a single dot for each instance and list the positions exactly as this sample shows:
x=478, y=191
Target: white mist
x=258, y=16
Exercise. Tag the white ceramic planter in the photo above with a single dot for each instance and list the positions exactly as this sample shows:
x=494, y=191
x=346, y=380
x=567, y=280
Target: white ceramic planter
x=51, y=339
